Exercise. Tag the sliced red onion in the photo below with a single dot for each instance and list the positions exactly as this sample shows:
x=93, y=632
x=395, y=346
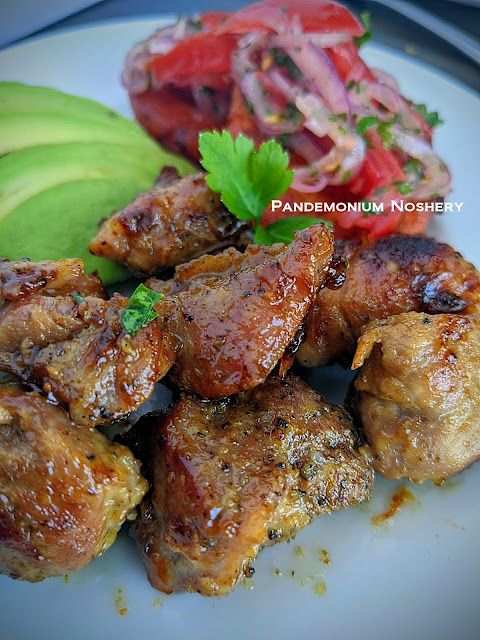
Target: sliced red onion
x=385, y=78
x=269, y=114
x=318, y=70
x=436, y=179
x=346, y=156
x=306, y=145
x=308, y=180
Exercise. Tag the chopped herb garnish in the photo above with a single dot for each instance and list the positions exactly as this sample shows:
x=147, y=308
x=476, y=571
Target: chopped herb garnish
x=195, y=24
x=350, y=84
x=249, y=106
x=402, y=187
x=367, y=24
x=385, y=133
x=291, y=113
x=367, y=123
x=368, y=208
x=360, y=88
x=431, y=117
x=281, y=59
x=335, y=117
x=380, y=191
x=139, y=310
x=77, y=297
x=413, y=169
x=346, y=176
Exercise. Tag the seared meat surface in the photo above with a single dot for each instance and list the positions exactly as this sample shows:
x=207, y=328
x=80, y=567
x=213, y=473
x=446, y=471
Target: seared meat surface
x=391, y=276
x=233, y=332
x=19, y=280
x=232, y=476
x=208, y=269
x=168, y=225
x=36, y=304
x=74, y=347
x=417, y=395
x=65, y=490
x=101, y=374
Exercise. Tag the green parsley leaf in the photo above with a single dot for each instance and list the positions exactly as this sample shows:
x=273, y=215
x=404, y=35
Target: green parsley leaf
x=431, y=117
x=403, y=188
x=139, y=310
x=283, y=230
x=367, y=123
x=247, y=180
x=367, y=23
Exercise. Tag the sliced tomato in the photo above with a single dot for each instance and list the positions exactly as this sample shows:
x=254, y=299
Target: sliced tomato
x=173, y=119
x=319, y=16
x=202, y=60
x=240, y=120
x=212, y=19
x=349, y=64
x=380, y=169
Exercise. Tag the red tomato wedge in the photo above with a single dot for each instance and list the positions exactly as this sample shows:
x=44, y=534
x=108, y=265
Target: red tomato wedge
x=348, y=63
x=212, y=19
x=319, y=16
x=380, y=169
x=201, y=59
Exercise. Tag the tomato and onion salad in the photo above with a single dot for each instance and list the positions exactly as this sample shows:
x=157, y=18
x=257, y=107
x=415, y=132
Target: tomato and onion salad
x=291, y=69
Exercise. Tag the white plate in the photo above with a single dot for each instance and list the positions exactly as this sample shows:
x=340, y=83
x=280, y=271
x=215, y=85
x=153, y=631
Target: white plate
x=416, y=578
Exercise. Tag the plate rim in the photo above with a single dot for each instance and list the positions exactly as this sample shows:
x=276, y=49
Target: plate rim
x=165, y=17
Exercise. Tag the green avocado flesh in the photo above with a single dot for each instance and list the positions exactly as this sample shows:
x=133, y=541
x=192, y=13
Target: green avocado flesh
x=66, y=163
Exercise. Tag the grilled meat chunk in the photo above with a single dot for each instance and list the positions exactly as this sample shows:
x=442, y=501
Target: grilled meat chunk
x=233, y=332
x=417, y=395
x=36, y=304
x=100, y=374
x=209, y=269
x=19, y=280
x=73, y=346
x=232, y=476
x=65, y=490
x=168, y=225
x=388, y=277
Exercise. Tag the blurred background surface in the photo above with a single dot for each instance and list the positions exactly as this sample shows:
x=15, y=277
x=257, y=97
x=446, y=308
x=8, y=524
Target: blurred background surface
x=20, y=19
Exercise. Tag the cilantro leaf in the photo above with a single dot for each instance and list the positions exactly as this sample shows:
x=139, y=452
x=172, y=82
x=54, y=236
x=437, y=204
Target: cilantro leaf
x=367, y=23
x=139, y=310
x=431, y=117
x=284, y=229
x=367, y=123
x=247, y=180
x=403, y=188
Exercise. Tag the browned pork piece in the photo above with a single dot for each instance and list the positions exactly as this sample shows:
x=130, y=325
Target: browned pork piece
x=390, y=276
x=232, y=476
x=235, y=330
x=208, y=269
x=417, y=395
x=73, y=346
x=36, y=304
x=167, y=226
x=64, y=490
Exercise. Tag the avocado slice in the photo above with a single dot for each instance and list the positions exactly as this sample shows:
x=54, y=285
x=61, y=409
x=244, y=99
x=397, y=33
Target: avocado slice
x=18, y=98
x=60, y=221
x=25, y=173
x=67, y=163
x=29, y=129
